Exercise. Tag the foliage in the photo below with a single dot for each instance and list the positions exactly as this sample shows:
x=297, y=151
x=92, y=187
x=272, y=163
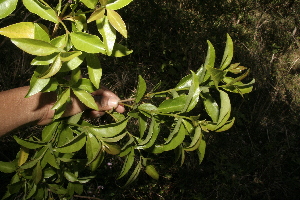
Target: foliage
x=69, y=151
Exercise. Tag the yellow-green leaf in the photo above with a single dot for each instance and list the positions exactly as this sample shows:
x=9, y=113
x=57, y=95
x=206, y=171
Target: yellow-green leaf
x=97, y=14
x=41, y=10
x=117, y=22
x=108, y=34
x=53, y=69
x=151, y=171
x=88, y=43
x=7, y=7
x=86, y=98
x=118, y=4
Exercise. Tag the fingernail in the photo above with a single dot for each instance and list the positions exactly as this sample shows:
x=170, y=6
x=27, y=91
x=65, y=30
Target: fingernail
x=113, y=102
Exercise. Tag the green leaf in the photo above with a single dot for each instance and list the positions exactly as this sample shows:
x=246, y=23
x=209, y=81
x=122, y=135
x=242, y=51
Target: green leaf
x=57, y=189
x=37, y=173
x=86, y=98
x=211, y=106
x=97, y=14
x=151, y=171
x=176, y=137
x=151, y=136
x=61, y=42
x=28, y=143
x=85, y=84
x=193, y=96
x=134, y=174
x=226, y=126
x=117, y=22
x=127, y=164
x=201, y=151
x=141, y=89
x=73, y=63
x=67, y=56
x=30, y=163
x=236, y=68
x=120, y=51
x=37, y=84
x=88, y=43
x=173, y=105
x=70, y=176
x=34, y=47
x=94, y=69
x=32, y=191
x=216, y=74
x=211, y=55
x=53, y=69
x=41, y=10
x=109, y=130
x=112, y=149
x=225, y=109
x=7, y=167
x=195, y=140
x=7, y=7
x=147, y=109
x=41, y=32
x=18, y=30
x=62, y=99
x=228, y=53
x=142, y=124
x=50, y=158
x=44, y=60
x=93, y=148
x=238, y=87
x=49, y=131
x=118, y=4
x=108, y=34
x=89, y=3
x=72, y=146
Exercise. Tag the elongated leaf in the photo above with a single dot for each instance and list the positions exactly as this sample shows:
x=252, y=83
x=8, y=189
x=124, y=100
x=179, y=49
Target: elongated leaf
x=32, y=191
x=225, y=108
x=88, y=43
x=176, y=140
x=108, y=34
x=142, y=124
x=112, y=149
x=92, y=148
x=173, y=105
x=23, y=155
x=37, y=173
x=118, y=4
x=117, y=22
x=239, y=87
x=44, y=60
x=141, y=89
x=73, y=63
x=7, y=7
x=30, y=163
x=216, y=74
x=97, y=14
x=109, y=130
x=120, y=51
x=37, y=84
x=67, y=56
x=41, y=32
x=134, y=174
x=70, y=176
x=201, y=151
x=28, y=143
x=86, y=98
x=62, y=99
x=195, y=141
x=85, y=84
x=51, y=159
x=211, y=106
x=41, y=10
x=61, y=42
x=49, y=131
x=193, y=96
x=127, y=164
x=228, y=53
x=72, y=146
x=211, y=55
x=175, y=130
x=226, y=126
x=151, y=171
x=7, y=167
x=94, y=69
x=18, y=30
x=89, y=3
x=53, y=69
x=115, y=139
x=151, y=137
x=34, y=47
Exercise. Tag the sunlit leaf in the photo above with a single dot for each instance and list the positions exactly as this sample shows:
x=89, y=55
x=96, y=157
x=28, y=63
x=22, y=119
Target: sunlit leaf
x=37, y=84
x=238, y=87
x=34, y=47
x=147, y=109
x=211, y=106
x=96, y=15
x=142, y=124
x=112, y=149
x=86, y=98
x=216, y=74
x=62, y=99
x=117, y=22
x=211, y=55
x=67, y=56
x=73, y=63
x=108, y=34
x=225, y=108
x=94, y=69
x=70, y=176
x=88, y=43
x=201, y=151
x=44, y=60
x=49, y=131
x=89, y=3
x=18, y=30
x=7, y=7
x=118, y=4
x=141, y=89
x=41, y=32
x=151, y=171
x=53, y=69
x=23, y=155
x=195, y=140
x=193, y=96
x=41, y=10
x=226, y=126
x=228, y=53
x=85, y=84
x=120, y=51
x=176, y=137
x=236, y=68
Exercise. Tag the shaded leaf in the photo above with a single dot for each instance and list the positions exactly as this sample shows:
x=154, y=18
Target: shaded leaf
x=151, y=136
x=28, y=143
x=23, y=155
x=201, y=151
x=94, y=69
x=173, y=105
x=195, y=140
x=141, y=89
x=37, y=84
x=7, y=167
x=127, y=164
x=37, y=173
x=151, y=171
x=67, y=56
x=216, y=75
x=72, y=146
x=134, y=174
x=225, y=109
x=70, y=176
